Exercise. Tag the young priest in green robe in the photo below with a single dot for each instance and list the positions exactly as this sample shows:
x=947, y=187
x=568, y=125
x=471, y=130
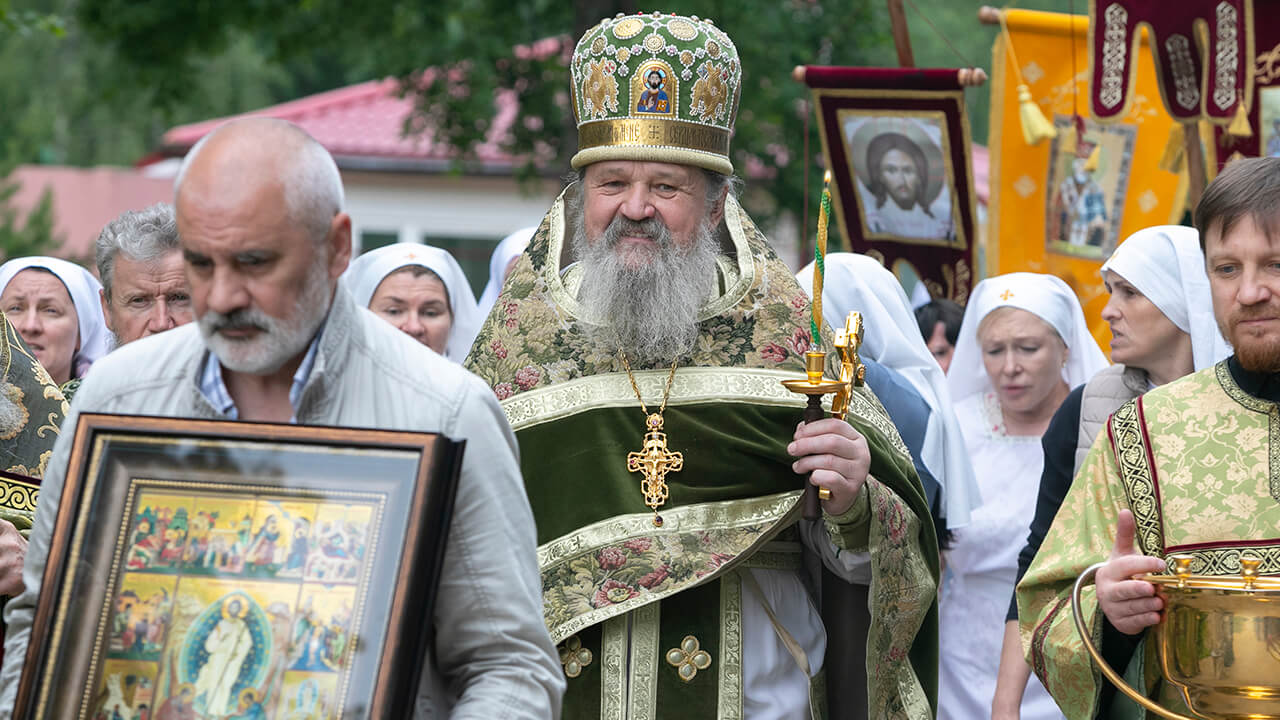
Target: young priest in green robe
x=1187, y=469
x=637, y=349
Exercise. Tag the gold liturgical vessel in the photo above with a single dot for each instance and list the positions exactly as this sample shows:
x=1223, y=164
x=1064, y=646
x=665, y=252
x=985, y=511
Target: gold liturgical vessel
x=815, y=386
x=1218, y=641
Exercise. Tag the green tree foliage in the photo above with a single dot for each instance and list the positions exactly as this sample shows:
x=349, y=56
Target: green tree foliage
x=946, y=33
x=454, y=57
x=62, y=102
x=125, y=70
x=34, y=235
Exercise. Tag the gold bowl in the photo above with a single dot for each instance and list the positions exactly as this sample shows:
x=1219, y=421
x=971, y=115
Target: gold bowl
x=1218, y=642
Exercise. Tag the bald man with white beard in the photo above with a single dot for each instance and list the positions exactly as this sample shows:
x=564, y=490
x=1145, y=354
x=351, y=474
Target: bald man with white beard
x=264, y=240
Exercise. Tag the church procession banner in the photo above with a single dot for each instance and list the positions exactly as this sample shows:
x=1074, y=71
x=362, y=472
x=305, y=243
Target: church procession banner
x=1264, y=105
x=192, y=573
x=1060, y=210
x=897, y=143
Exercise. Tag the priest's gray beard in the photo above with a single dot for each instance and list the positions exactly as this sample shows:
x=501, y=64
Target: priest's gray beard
x=648, y=308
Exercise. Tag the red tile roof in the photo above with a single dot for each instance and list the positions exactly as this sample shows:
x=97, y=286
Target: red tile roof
x=363, y=121
x=86, y=199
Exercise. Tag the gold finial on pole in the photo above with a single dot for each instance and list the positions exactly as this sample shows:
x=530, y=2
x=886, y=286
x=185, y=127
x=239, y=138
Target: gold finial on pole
x=814, y=385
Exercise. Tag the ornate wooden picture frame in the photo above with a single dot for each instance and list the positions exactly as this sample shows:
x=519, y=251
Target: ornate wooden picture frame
x=897, y=143
x=239, y=570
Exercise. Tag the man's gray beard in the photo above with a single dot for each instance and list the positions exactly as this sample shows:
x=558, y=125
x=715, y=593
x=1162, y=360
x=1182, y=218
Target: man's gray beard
x=650, y=311
x=281, y=339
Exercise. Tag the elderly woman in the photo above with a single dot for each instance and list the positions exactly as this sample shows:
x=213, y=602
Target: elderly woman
x=422, y=291
x=1162, y=327
x=54, y=306
x=1023, y=344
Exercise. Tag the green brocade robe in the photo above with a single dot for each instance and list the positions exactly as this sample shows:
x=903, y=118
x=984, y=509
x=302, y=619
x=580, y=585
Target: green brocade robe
x=634, y=607
x=26, y=438
x=1195, y=462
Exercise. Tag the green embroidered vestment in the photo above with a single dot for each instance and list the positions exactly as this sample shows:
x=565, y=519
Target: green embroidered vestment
x=621, y=593
x=1194, y=461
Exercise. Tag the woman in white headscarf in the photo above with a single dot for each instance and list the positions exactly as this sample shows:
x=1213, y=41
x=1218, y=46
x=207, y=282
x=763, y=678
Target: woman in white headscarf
x=422, y=291
x=1023, y=344
x=55, y=307
x=857, y=282
x=501, y=262
x=1162, y=327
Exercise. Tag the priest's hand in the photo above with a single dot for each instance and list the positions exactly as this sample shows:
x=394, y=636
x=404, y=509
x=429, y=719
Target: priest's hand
x=1131, y=605
x=836, y=457
x=13, y=551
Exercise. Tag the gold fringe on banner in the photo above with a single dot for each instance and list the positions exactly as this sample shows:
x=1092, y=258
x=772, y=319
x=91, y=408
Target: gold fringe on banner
x=1035, y=127
x=1239, y=126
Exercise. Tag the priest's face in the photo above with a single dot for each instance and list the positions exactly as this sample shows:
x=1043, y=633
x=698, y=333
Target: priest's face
x=638, y=197
x=1244, y=274
x=645, y=238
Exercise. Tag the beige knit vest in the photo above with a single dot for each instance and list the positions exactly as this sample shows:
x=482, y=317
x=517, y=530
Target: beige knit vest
x=1103, y=395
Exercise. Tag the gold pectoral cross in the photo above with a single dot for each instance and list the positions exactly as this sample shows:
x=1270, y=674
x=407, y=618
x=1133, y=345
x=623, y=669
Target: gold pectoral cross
x=653, y=462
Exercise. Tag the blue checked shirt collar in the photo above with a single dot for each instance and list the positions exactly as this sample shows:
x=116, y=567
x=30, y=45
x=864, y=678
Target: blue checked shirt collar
x=215, y=390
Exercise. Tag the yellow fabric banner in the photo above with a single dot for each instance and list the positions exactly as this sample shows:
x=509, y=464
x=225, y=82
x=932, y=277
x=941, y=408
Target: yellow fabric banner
x=1062, y=210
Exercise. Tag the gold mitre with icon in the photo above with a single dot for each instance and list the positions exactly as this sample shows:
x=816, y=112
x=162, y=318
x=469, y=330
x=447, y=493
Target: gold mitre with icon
x=656, y=87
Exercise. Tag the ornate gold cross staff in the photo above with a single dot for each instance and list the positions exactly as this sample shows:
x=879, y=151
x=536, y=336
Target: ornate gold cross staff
x=852, y=373
x=653, y=462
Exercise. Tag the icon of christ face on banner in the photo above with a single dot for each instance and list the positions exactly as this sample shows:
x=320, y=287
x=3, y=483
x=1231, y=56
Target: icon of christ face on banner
x=903, y=184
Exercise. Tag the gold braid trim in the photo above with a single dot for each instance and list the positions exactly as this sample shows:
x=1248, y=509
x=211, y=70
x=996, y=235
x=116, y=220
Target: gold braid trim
x=1132, y=450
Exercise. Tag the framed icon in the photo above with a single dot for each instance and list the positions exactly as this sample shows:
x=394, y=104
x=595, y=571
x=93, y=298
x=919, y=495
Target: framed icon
x=214, y=569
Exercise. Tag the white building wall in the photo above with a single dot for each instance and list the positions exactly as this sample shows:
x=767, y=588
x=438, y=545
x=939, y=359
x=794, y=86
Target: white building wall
x=414, y=207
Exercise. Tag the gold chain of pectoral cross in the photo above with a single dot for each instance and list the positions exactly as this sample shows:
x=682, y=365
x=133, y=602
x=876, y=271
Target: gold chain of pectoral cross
x=653, y=461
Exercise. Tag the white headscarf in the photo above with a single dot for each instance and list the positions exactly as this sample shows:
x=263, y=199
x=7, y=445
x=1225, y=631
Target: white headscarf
x=83, y=287
x=511, y=246
x=1046, y=297
x=1165, y=264
x=368, y=271
x=891, y=338
x=919, y=296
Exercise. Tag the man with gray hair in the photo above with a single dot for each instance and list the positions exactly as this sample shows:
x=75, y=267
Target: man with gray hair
x=144, y=289
x=264, y=240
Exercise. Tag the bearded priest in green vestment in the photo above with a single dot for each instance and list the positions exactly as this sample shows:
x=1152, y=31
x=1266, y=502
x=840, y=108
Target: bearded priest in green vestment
x=1187, y=469
x=637, y=349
